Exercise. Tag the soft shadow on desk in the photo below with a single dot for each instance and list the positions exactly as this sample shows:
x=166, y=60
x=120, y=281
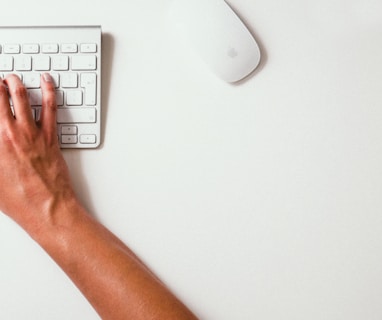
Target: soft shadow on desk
x=107, y=60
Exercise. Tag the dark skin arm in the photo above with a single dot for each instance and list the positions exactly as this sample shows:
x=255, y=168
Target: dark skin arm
x=36, y=192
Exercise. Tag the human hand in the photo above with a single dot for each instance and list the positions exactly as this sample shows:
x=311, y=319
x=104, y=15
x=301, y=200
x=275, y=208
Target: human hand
x=34, y=177
x=35, y=191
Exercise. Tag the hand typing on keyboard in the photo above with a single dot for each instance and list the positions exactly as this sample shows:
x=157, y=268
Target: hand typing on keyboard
x=36, y=192
x=32, y=167
x=72, y=56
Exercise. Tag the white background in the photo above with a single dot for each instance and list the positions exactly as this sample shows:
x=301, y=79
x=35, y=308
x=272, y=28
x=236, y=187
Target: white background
x=253, y=201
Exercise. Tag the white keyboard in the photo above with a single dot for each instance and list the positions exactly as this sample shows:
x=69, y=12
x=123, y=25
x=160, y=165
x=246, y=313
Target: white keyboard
x=72, y=55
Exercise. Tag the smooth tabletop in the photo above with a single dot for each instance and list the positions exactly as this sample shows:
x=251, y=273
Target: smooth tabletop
x=260, y=200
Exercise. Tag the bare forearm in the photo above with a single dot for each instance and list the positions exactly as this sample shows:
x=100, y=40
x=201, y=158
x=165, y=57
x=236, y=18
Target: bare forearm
x=114, y=280
x=36, y=192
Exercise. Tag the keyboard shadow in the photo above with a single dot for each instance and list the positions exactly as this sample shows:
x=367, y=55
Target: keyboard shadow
x=106, y=70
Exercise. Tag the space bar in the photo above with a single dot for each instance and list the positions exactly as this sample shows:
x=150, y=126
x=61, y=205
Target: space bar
x=73, y=115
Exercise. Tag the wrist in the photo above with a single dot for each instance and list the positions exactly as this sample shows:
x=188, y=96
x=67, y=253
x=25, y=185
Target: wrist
x=54, y=219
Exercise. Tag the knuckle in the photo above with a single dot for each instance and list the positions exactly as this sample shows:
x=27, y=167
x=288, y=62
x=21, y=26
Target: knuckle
x=4, y=133
x=49, y=97
x=19, y=92
x=7, y=135
x=50, y=101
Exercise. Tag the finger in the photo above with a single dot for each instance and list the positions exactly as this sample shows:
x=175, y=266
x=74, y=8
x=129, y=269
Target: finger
x=49, y=105
x=19, y=96
x=5, y=109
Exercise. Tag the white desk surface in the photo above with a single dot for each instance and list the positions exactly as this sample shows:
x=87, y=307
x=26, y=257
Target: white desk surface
x=254, y=201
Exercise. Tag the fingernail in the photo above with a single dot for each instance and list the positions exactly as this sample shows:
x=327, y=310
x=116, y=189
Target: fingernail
x=47, y=77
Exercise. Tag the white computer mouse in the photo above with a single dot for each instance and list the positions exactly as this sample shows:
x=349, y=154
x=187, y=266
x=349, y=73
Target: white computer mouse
x=218, y=35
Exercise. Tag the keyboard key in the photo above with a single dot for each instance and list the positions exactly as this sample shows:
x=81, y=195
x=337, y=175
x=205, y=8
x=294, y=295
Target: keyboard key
x=56, y=79
x=69, y=80
x=23, y=63
x=35, y=97
x=59, y=97
x=49, y=48
x=88, y=48
x=41, y=63
x=76, y=115
x=89, y=83
x=60, y=63
x=69, y=139
x=31, y=48
x=73, y=97
x=88, y=138
x=69, y=48
x=69, y=129
x=32, y=80
x=6, y=63
x=34, y=114
x=11, y=48
x=37, y=113
x=84, y=62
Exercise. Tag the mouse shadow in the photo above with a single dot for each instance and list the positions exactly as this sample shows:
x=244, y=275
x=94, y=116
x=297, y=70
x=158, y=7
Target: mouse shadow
x=263, y=51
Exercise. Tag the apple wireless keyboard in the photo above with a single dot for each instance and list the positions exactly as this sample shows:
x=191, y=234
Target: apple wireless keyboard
x=72, y=56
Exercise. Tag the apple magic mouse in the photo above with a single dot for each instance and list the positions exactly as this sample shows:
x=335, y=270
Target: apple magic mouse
x=218, y=35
